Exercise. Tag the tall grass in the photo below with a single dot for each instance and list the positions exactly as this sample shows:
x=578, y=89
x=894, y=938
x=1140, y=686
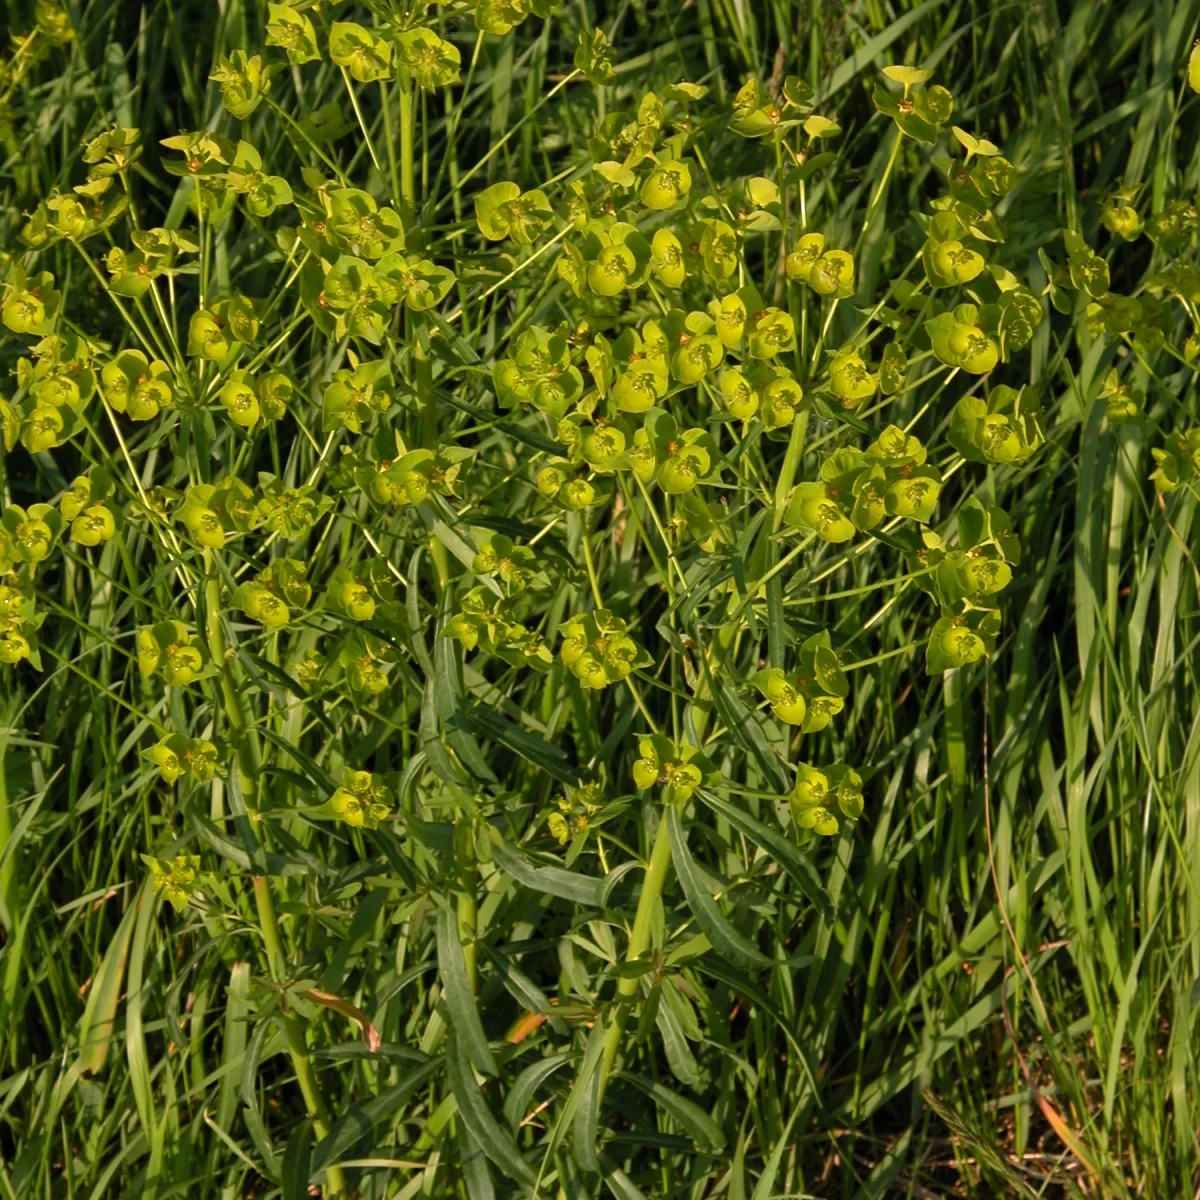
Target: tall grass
x=998, y=997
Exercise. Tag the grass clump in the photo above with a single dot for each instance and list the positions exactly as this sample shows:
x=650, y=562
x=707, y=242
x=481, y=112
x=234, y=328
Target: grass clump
x=598, y=605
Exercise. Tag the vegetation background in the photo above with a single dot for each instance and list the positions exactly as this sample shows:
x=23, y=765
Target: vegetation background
x=918, y=1038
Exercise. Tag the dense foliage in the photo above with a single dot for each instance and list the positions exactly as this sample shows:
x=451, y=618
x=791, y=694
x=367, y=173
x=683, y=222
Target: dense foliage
x=587, y=612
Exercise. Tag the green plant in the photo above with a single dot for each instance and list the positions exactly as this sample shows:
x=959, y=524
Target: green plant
x=500, y=587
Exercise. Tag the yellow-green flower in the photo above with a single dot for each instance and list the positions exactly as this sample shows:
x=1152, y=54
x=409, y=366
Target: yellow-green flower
x=174, y=879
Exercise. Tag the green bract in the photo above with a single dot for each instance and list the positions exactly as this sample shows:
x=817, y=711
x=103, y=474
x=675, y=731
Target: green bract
x=858, y=489
x=949, y=262
x=849, y=379
x=593, y=56
x=359, y=51
x=178, y=757
x=420, y=283
x=964, y=638
x=175, y=879
x=30, y=303
x=816, y=507
x=274, y=592
x=1006, y=427
x=740, y=397
x=960, y=341
x=597, y=650
x=540, y=372
x=921, y=111
x=832, y=274
x=293, y=31
x=669, y=267
x=1178, y=461
x=504, y=211
x=516, y=565
x=240, y=398
x=244, y=80
x=781, y=400
x=666, y=185
x=1122, y=219
x=362, y=801
x=360, y=226
x=783, y=693
x=718, y=249
x=821, y=794
x=360, y=299
x=679, y=769
x=170, y=650
x=354, y=395
x=432, y=61
x=804, y=255
x=94, y=525
x=207, y=337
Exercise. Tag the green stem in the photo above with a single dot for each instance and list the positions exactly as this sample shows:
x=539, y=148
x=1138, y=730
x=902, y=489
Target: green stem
x=361, y=122
x=591, y=566
x=887, y=171
x=10, y=885
x=816, y=354
x=787, y=473
x=423, y=368
x=468, y=886
x=293, y=1028
x=772, y=577
x=305, y=137
x=245, y=743
x=639, y=943
x=429, y=440
x=878, y=658
x=249, y=766
x=389, y=141
x=408, y=186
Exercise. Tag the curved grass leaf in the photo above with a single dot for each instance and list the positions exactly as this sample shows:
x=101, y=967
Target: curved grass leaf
x=361, y=1120
x=460, y=1000
x=692, y=1119
x=477, y=1116
x=743, y=726
x=553, y=881
x=527, y=1083
x=726, y=940
x=782, y=851
x=296, y=1169
x=476, y=1173
x=536, y=750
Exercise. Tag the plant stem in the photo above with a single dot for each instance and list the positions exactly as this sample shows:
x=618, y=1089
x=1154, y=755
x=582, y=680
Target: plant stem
x=408, y=186
x=293, y=1028
x=423, y=368
x=772, y=577
x=639, y=942
x=390, y=142
x=591, y=566
x=878, y=658
x=361, y=122
x=468, y=885
x=249, y=765
x=887, y=171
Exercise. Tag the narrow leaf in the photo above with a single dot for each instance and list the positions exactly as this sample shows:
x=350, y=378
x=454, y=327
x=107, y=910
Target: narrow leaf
x=725, y=938
x=783, y=852
x=698, y=1125
x=460, y=1000
x=554, y=881
x=477, y=1116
